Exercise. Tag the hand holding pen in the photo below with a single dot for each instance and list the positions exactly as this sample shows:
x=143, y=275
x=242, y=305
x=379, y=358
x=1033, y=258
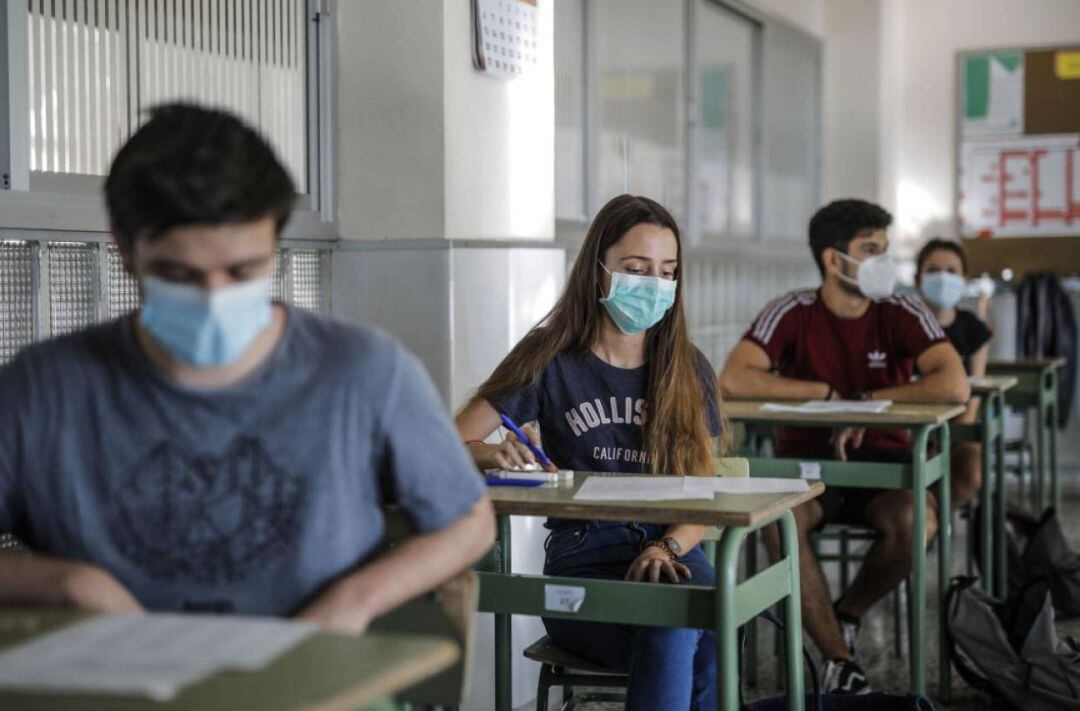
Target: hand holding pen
x=520, y=449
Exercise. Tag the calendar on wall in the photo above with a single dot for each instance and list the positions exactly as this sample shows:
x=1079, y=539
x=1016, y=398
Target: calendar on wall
x=506, y=36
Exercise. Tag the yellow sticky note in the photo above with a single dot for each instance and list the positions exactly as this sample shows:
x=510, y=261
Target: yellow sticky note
x=1067, y=65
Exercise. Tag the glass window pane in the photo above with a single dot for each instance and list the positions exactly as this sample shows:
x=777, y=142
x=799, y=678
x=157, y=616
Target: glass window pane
x=96, y=66
x=641, y=55
x=16, y=297
x=308, y=279
x=793, y=136
x=72, y=286
x=122, y=291
x=569, y=109
x=724, y=175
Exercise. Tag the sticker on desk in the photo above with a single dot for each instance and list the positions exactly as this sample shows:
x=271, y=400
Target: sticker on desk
x=563, y=598
x=811, y=471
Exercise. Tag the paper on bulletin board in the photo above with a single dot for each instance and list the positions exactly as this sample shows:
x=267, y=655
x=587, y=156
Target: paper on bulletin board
x=1067, y=65
x=993, y=86
x=1020, y=186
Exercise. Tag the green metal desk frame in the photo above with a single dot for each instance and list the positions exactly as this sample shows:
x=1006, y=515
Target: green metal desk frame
x=724, y=608
x=1037, y=389
x=923, y=472
x=989, y=432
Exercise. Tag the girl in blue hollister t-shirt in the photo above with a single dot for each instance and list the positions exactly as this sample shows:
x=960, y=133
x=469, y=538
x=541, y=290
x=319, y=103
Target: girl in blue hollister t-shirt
x=612, y=379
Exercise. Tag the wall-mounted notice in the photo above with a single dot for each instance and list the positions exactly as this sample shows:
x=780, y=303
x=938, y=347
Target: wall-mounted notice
x=993, y=86
x=1022, y=186
x=506, y=36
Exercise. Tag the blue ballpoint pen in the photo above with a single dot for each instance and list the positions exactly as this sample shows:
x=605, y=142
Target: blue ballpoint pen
x=497, y=481
x=509, y=424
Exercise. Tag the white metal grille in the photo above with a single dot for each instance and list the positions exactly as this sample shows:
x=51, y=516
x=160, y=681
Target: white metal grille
x=73, y=286
x=121, y=290
x=16, y=297
x=278, y=277
x=95, y=66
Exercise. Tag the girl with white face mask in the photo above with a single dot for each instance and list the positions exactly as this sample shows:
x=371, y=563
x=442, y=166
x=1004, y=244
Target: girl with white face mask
x=940, y=275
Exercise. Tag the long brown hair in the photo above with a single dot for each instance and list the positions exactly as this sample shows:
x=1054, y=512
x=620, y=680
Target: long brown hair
x=676, y=433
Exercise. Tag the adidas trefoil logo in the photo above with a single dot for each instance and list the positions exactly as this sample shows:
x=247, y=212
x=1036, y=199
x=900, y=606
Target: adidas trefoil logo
x=875, y=359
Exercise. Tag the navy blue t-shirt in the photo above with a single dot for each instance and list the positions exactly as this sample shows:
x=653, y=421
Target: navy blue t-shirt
x=591, y=414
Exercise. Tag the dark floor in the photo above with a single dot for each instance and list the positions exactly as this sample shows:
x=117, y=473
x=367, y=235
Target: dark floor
x=886, y=671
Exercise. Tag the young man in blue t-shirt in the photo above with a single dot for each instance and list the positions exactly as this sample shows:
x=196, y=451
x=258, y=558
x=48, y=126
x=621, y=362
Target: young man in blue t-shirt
x=215, y=450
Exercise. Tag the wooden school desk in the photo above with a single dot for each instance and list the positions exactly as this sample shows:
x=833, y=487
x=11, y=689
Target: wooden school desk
x=723, y=608
x=989, y=431
x=922, y=421
x=1037, y=389
x=325, y=673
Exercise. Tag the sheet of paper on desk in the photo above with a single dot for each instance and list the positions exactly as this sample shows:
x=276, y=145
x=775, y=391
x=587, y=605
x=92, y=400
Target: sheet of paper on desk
x=645, y=488
x=150, y=656
x=830, y=406
x=758, y=485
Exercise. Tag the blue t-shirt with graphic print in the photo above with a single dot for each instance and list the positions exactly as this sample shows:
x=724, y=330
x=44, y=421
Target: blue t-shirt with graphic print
x=248, y=499
x=591, y=413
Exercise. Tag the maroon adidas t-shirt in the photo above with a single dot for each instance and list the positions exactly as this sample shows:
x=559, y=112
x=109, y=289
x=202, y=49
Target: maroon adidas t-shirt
x=805, y=340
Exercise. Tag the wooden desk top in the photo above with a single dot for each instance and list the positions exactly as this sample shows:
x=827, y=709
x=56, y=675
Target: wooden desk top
x=325, y=672
x=1028, y=364
x=898, y=415
x=724, y=510
x=992, y=384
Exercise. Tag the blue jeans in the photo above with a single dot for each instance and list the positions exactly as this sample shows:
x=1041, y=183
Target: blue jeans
x=670, y=668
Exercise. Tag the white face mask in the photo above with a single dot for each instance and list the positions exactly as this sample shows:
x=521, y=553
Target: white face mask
x=875, y=276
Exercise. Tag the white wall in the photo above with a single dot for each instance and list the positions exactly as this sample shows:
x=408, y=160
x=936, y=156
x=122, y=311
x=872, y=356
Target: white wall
x=851, y=91
x=390, y=120
x=429, y=147
x=499, y=138
x=908, y=47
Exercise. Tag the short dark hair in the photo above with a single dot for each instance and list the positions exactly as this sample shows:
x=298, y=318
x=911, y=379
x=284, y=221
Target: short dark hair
x=841, y=221
x=938, y=243
x=190, y=165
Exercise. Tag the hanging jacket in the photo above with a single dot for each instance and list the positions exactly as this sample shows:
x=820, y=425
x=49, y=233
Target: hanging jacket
x=1046, y=327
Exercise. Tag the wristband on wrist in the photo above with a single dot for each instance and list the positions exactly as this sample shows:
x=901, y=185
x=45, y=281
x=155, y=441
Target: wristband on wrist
x=828, y=395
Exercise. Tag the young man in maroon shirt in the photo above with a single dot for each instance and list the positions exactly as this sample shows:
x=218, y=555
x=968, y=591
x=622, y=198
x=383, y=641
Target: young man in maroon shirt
x=851, y=338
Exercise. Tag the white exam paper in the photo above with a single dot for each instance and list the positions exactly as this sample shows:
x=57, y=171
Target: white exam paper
x=758, y=485
x=151, y=656
x=830, y=406
x=645, y=488
x=672, y=488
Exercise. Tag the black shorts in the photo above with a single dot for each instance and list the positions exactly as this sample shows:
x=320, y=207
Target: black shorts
x=848, y=504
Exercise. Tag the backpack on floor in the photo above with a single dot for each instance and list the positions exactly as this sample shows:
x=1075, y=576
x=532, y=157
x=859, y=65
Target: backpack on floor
x=1012, y=651
x=1037, y=549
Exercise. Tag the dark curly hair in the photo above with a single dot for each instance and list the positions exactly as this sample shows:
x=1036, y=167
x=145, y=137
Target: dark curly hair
x=841, y=221
x=938, y=243
x=190, y=165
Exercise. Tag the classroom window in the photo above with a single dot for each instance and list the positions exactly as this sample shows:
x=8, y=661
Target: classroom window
x=703, y=105
x=96, y=66
x=724, y=177
x=641, y=143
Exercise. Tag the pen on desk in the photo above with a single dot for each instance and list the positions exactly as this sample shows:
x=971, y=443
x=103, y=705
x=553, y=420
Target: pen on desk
x=505, y=481
x=509, y=424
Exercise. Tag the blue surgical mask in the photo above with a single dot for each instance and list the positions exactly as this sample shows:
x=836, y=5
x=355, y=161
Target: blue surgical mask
x=202, y=327
x=943, y=289
x=636, y=302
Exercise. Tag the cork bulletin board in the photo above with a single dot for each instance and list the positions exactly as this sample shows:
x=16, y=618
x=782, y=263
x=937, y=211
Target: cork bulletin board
x=1018, y=159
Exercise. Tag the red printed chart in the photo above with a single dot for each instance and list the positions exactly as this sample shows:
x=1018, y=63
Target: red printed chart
x=1020, y=186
